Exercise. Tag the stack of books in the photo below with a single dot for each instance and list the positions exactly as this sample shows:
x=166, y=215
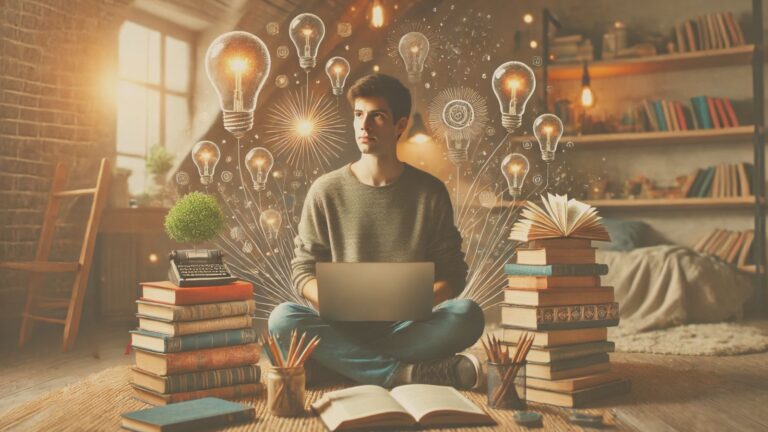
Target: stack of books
x=571, y=49
x=554, y=291
x=195, y=342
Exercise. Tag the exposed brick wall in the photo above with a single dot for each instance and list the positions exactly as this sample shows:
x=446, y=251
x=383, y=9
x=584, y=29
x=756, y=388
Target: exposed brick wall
x=55, y=56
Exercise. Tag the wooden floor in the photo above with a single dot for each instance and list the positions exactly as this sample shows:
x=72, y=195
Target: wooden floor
x=670, y=393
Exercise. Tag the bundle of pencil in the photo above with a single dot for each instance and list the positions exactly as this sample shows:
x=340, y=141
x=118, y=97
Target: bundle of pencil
x=499, y=355
x=298, y=351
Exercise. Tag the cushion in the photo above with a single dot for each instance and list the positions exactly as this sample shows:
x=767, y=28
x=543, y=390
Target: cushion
x=626, y=235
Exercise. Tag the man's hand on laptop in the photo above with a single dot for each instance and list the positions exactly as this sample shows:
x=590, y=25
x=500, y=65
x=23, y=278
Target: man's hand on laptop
x=442, y=292
x=309, y=291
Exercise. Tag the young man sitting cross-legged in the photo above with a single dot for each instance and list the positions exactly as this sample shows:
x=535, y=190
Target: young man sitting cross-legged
x=379, y=209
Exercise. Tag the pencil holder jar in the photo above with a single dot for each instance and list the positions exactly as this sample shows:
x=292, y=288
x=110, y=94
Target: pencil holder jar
x=285, y=391
x=506, y=385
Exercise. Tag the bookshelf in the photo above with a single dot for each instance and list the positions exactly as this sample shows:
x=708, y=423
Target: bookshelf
x=697, y=136
x=745, y=55
x=740, y=55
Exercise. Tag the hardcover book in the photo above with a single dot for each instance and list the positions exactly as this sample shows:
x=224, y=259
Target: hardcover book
x=564, y=352
x=559, y=297
x=196, y=380
x=163, y=343
x=555, y=256
x=166, y=292
x=229, y=392
x=203, y=413
x=559, y=217
x=560, y=317
x=552, y=282
x=169, y=312
x=370, y=406
x=568, y=368
x=193, y=361
x=553, y=338
x=593, y=269
x=580, y=397
x=570, y=385
x=181, y=328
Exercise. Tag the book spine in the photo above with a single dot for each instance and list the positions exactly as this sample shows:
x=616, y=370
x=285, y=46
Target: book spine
x=660, y=116
x=577, y=313
x=211, y=340
x=731, y=113
x=576, y=362
x=231, y=392
x=721, y=112
x=556, y=270
x=217, y=324
x=198, y=295
x=213, y=310
x=712, y=112
x=214, y=378
x=216, y=358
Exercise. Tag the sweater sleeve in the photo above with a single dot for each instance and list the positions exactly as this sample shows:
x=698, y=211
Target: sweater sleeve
x=445, y=245
x=312, y=243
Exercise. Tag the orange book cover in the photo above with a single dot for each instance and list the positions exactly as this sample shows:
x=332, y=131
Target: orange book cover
x=721, y=113
x=713, y=113
x=731, y=113
x=680, y=115
x=167, y=292
x=198, y=360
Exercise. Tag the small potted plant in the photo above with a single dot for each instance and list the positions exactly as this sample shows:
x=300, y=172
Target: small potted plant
x=195, y=218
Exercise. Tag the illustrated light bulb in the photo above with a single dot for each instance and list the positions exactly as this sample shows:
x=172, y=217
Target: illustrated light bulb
x=270, y=221
x=513, y=83
x=458, y=115
x=515, y=168
x=548, y=129
x=337, y=69
x=414, y=48
x=237, y=64
x=259, y=161
x=206, y=155
x=307, y=31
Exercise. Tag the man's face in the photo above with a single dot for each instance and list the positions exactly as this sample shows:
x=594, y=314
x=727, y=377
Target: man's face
x=376, y=132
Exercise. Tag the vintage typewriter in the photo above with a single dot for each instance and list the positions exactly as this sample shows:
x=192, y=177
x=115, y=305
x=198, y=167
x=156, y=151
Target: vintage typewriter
x=198, y=267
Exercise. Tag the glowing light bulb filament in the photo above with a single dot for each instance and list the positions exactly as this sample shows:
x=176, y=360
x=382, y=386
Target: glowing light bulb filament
x=337, y=70
x=513, y=85
x=206, y=156
x=307, y=33
x=548, y=131
x=238, y=66
x=377, y=15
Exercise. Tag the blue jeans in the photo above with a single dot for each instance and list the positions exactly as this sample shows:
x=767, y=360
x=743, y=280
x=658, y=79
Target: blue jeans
x=371, y=352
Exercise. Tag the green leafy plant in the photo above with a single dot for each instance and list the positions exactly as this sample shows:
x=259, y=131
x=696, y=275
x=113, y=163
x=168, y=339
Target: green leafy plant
x=159, y=160
x=195, y=218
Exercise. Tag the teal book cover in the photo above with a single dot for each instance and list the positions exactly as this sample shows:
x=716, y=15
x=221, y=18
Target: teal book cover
x=191, y=415
x=513, y=269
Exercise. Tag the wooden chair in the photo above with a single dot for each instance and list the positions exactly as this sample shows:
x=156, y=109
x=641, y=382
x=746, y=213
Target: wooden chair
x=37, y=304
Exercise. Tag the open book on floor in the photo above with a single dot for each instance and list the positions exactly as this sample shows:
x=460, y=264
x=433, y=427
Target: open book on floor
x=369, y=406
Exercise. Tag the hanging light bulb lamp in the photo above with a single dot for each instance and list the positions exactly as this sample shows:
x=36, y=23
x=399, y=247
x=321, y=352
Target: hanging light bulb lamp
x=307, y=31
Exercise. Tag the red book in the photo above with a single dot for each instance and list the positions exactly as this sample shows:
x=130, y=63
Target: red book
x=680, y=115
x=721, y=112
x=166, y=292
x=731, y=113
x=198, y=360
x=713, y=113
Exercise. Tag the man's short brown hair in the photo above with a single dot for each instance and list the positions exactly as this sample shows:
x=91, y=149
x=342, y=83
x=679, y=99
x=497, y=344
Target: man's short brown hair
x=390, y=89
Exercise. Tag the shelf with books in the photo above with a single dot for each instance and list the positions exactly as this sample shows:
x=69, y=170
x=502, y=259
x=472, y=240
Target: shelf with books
x=739, y=55
x=697, y=136
x=675, y=203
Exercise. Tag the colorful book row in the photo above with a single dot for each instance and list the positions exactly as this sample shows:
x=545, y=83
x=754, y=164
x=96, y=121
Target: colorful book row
x=709, y=31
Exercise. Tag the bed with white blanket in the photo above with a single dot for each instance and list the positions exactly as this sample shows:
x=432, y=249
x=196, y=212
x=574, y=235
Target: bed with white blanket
x=667, y=285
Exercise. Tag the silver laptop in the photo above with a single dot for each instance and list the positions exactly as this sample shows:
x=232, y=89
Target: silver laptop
x=375, y=291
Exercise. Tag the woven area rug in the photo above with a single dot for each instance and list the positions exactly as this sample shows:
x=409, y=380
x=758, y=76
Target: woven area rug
x=96, y=402
x=719, y=339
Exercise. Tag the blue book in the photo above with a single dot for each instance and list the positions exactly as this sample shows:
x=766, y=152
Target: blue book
x=706, y=185
x=163, y=343
x=660, y=116
x=556, y=269
x=206, y=413
x=702, y=112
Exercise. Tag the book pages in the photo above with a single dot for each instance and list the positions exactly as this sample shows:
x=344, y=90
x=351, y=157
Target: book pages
x=422, y=399
x=559, y=217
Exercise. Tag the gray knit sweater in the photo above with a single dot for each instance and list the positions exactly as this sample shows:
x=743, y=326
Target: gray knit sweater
x=409, y=220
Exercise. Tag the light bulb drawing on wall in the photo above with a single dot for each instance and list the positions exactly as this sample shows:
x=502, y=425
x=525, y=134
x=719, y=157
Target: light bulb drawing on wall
x=205, y=155
x=259, y=162
x=413, y=48
x=513, y=83
x=307, y=32
x=548, y=129
x=237, y=64
x=458, y=115
x=270, y=221
x=515, y=167
x=337, y=69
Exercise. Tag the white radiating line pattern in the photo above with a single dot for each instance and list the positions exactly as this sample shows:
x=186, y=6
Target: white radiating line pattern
x=305, y=131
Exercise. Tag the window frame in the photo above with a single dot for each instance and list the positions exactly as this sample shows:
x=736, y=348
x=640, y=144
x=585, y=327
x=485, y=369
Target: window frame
x=166, y=29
